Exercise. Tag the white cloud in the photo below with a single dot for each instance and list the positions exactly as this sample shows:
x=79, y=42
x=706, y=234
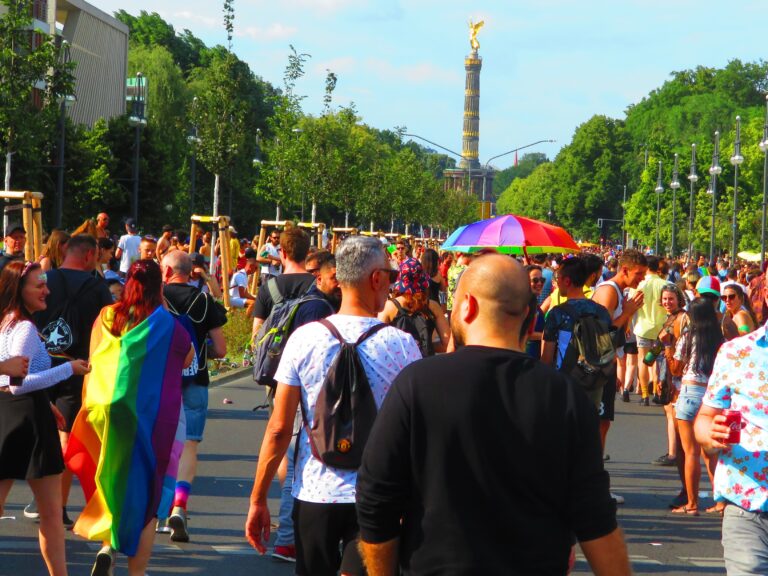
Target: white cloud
x=419, y=73
x=275, y=31
x=343, y=64
x=196, y=17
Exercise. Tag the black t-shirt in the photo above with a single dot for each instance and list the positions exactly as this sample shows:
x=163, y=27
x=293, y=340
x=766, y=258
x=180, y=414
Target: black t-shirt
x=205, y=315
x=87, y=296
x=289, y=285
x=492, y=461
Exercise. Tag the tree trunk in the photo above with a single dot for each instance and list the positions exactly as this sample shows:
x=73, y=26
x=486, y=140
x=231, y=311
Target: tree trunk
x=392, y=224
x=371, y=226
x=314, y=211
x=8, y=155
x=406, y=230
x=346, y=219
x=277, y=213
x=215, y=233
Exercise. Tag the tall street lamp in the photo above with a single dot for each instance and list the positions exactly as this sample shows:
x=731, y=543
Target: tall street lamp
x=675, y=184
x=624, y=218
x=764, y=150
x=714, y=171
x=737, y=159
x=659, y=189
x=693, y=177
x=193, y=140
x=485, y=171
x=138, y=121
x=66, y=102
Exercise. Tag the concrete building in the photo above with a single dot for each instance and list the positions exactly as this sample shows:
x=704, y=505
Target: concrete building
x=99, y=44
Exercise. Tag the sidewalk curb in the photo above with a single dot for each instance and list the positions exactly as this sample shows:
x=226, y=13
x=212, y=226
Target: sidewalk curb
x=229, y=376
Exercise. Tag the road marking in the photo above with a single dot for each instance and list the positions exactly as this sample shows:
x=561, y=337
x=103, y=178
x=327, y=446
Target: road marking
x=703, y=562
x=96, y=546
x=635, y=559
x=235, y=549
x=25, y=545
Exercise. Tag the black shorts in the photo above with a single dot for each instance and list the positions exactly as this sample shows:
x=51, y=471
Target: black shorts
x=326, y=539
x=608, y=402
x=630, y=348
x=67, y=396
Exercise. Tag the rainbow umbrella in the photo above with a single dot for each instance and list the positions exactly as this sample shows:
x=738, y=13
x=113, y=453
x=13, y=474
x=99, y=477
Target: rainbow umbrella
x=510, y=234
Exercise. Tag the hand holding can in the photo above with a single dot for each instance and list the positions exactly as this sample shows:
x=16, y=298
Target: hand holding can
x=733, y=422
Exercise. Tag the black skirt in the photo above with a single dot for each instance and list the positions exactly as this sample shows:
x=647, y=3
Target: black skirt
x=29, y=440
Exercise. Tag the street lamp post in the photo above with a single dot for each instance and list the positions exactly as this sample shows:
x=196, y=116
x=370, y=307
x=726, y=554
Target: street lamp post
x=138, y=121
x=693, y=177
x=65, y=102
x=714, y=171
x=737, y=159
x=193, y=139
x=624, y=218
x=764, y=150
x=659, y=189
x=675, y=184
x=485, y=171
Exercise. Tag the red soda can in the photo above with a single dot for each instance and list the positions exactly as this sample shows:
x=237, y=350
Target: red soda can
x=733, y=421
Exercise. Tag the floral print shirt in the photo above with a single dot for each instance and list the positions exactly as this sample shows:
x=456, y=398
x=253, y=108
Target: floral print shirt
x=739, y=381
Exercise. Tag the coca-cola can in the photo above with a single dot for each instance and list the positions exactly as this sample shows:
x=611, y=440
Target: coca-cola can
x=733, y=421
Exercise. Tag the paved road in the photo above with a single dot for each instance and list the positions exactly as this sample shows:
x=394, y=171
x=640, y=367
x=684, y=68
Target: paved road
x=659, y=543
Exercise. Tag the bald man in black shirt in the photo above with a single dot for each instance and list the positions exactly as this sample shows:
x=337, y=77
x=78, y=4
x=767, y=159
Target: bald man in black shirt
x=486, y=461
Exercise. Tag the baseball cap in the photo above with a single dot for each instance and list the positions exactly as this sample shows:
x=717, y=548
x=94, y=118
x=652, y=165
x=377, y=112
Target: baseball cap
x=131, y=223
x=197, y=259
x=15, y=227
x=249, y=253
x=708, y=285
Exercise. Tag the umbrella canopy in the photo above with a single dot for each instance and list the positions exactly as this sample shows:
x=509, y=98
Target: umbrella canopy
x=510, y=234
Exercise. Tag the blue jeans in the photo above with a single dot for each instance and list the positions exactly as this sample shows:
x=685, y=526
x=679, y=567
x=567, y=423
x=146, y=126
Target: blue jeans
x=285, y=530
x=745, y=541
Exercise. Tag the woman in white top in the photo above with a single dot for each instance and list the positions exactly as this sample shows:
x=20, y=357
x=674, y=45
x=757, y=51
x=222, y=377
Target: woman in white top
x=29, y=442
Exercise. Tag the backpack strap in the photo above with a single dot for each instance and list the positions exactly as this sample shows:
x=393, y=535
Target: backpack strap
x=274, y=291
x=398, y=305
x=363, y=337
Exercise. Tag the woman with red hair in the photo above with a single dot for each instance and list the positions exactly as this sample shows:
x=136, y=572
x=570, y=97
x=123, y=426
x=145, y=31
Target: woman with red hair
x=127, y=438
x=29, y=441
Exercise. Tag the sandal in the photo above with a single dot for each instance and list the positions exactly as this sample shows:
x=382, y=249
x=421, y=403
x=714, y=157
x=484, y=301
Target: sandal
x=685, y=510
x=716, y=509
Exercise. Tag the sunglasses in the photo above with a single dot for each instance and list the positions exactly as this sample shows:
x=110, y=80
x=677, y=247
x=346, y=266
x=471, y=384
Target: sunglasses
x=393, y=274
x=537, y=280
x=728, y=297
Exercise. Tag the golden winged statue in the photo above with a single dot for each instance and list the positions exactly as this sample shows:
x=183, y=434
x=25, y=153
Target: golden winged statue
x=473, y=30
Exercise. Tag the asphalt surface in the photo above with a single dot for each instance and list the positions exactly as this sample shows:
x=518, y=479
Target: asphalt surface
x=659, y=542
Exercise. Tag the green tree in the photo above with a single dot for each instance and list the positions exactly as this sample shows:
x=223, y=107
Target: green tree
x=23, y=64
x=527, y=164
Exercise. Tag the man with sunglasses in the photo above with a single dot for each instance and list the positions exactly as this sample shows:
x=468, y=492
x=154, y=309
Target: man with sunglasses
x=269, y=257
x=324, y=496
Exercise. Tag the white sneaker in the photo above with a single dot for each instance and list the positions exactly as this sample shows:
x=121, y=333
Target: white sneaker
x=104, y=560
x=617, y=498
x=177, y=522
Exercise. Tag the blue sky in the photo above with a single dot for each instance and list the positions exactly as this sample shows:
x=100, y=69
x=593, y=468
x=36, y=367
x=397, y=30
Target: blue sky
x=548, y=65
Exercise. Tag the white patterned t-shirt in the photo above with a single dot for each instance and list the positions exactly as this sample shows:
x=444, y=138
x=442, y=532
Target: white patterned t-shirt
x=306, y=359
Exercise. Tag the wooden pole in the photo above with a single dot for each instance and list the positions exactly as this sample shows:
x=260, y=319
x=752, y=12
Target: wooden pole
x=223, y=223
x=26, y=215
x=37, y=226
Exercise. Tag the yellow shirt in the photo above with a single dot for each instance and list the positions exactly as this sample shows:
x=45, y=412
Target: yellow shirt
x=650, y=318
x=555, y=298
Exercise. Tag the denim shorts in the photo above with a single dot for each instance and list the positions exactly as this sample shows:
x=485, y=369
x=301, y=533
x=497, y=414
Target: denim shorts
x=195, y=400
x=645, y=342
x=689, y=402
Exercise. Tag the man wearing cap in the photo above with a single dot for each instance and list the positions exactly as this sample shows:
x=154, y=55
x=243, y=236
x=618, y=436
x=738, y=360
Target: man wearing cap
x=239, y=296
x=128, y=246
x=15, y=240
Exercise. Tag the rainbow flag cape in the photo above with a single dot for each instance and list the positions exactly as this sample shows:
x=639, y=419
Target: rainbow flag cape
x=127, y=439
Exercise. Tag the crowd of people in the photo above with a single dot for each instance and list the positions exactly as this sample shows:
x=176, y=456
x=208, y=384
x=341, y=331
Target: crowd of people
x=399, y=380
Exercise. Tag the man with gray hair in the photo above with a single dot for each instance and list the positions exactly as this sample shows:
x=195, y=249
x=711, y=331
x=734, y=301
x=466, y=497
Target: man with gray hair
x=203, y=318
x=324, y=497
